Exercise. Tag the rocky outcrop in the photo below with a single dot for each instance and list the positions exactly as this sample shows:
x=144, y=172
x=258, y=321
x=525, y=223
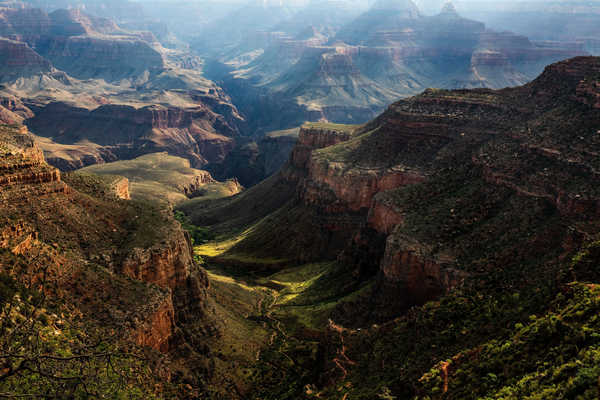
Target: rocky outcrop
x=121, y=188
x=100, y=58
x=310, y=139
x=275, y=152
x=18, y=60
x=167, y=264
x=117, y=269
x=198, y=134
x=197, y=182
x=16, y=106
x=84, y=76
x=170, y=265
x=9, y=118
x=83, y=46
x=353, y=188
x=22, y=162
x=12, y=232
x=425, y=183
x=413, y=275
x=384, y=216
x=337, y=186
x=157, y=328
x=389, y=52
x=73, y=22
x=588, y=92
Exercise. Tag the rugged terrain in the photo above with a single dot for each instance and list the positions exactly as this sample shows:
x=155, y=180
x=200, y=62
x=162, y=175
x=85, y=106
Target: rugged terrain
x=423, y=250
x=164, y=178
x=566, y=21
x=445, y=248
x=100, y=281
x=72, y=77
x=391, y=51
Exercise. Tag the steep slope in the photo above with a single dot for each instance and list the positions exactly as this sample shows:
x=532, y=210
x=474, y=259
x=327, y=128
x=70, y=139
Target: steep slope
x=123, y=267
x=243, y=30
x=72, y=42
x=455, y=214
x=186, y=132
x=19, y=60
x=558, y=21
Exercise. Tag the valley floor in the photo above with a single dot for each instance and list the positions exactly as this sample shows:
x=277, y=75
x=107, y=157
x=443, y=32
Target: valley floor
x=275, y=323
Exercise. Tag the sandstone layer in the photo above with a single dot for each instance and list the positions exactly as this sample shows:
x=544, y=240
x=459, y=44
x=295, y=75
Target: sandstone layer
x=443, y=190
x=126, y=265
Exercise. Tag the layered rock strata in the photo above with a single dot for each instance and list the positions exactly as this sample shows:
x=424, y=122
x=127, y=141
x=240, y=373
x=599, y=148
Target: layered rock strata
x=423, y=195
x=112, y=251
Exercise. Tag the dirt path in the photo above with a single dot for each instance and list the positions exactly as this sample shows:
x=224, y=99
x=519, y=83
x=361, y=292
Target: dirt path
x=341, y=360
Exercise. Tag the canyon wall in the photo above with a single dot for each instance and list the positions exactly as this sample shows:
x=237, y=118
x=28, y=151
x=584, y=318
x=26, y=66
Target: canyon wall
x=152, y=270
x=198, y=134
x=424, y=183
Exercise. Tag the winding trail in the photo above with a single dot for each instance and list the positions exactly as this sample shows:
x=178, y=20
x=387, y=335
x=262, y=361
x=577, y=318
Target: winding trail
x=265, y=309
x=342, y=358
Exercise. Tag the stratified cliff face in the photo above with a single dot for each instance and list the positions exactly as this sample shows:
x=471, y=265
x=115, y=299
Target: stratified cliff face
x=121, y=263
x=445, y=187
x=198, y=134
x=23, y=163
x=85, y=47
x=121, y=188
x=438, y=226
x=19, y=60
x=83, y=76
x=167, y=265
x=314, y=138
x=103, y=58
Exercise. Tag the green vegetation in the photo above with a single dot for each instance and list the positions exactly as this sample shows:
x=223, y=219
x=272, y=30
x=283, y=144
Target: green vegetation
x=165, y=178
x=554, y=356
x=100, y=186
x=293, y=132
x=198, y=235
x=268, y=316
x=49, y=349
x=307, y=295
x=270, y=361
x=331, y=126
x=342, y=152
x=232, y=216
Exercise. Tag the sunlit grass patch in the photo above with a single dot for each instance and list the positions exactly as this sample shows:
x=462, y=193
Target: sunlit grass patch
x=219, y=247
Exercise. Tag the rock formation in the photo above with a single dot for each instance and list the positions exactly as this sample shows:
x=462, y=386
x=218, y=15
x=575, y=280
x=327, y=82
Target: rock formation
x=389, y=52
x=122, y=264
x=81, y=76
x=85, y=47
x=426, y=179
x=198, y=134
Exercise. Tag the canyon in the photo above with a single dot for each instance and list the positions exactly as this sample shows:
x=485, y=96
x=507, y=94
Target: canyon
x=445, y=195
x=321, y=62
x=297, y=200
x=391, y=51
x=78, y=76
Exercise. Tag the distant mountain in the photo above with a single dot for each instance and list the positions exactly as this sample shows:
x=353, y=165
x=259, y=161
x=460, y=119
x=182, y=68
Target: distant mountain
x=577, y=21
x=245, y=29
x=388, y=52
